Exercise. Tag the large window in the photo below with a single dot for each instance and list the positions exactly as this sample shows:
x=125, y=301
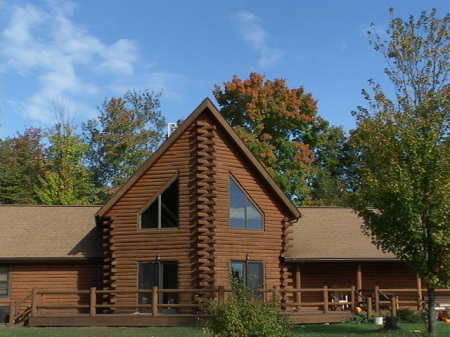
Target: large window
x=251, y=273
x=162, y=212
x=161, y=274
x=4, y=278
x=243, y=212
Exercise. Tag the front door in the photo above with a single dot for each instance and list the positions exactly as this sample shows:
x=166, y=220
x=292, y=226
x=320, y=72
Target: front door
x=161, y=274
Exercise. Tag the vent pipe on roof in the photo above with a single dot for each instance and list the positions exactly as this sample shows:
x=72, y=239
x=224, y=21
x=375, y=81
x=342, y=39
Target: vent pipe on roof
x=171, y=127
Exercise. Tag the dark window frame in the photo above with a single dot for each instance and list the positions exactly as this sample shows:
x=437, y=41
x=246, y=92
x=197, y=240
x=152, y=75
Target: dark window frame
x=162, y=273
x=157, y=201
x=248, y=205
x=246, y=269
x=6, y=271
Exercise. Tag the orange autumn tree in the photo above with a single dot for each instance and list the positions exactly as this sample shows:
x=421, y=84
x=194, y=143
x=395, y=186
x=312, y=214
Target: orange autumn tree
x=279, y=126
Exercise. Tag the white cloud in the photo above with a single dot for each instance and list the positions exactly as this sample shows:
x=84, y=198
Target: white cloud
x=43, y=44
x=255, y=35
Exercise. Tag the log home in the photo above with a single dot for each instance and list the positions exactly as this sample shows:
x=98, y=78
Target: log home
x=200, y=205
x=199, y=208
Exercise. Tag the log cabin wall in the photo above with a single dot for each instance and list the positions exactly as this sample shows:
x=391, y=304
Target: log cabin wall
x=267, y=245
x=130, y=245
x=203, y=158
x=67, y=276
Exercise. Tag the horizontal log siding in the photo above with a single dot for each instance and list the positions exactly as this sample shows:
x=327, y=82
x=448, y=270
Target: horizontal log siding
x=233, y=244
x=203, y=244
x=129, y=245
x=65, y=277
x=393, y=275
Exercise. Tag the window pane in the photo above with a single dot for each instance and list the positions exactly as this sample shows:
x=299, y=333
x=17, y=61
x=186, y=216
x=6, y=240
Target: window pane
x=254, y=218
x=170, y=281
x=3, y=289
x=237, y=270
x=163, y=212
x=169, y=206
x=3, y=280
x=149, y=219
x=255, y=275
x=237, y=206
x=148, y=275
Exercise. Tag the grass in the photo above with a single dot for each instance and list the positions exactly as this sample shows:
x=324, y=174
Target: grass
x=316, y=330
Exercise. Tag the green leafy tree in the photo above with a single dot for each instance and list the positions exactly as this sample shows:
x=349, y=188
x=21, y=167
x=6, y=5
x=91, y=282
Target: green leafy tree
x=404, y=151
x=21, y=165
x=276, y=123
x=65, y=181
x=125, y=134
x=333, y=158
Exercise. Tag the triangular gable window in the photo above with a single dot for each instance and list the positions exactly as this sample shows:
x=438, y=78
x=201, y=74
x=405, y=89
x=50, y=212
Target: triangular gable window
x=243, y=212
x=162, y=212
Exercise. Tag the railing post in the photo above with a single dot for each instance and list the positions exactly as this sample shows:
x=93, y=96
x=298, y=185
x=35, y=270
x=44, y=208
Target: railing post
x=325, y=299
x=298, y=299
x=154, y=301
x=92, y=302
x=12, y=312
x=394, y=306
x=34, y=303
x=369, y=307
x=352, y=299
x=221, y=294
x=377, y=299
x=298, y=287
x=419, y=294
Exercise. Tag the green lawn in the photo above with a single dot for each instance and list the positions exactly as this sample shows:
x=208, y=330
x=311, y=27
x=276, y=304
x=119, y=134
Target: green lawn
x=332, y=330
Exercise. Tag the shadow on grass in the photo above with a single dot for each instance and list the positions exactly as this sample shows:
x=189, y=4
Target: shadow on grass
x=339, y=329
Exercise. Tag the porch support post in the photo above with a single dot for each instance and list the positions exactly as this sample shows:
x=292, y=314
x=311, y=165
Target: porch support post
x=419, y=293
x=92, y=302
x=359, y=284
x=154, y=301
x=298, y=286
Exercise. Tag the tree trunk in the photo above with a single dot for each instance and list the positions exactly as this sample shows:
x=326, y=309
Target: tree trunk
x=431, y=318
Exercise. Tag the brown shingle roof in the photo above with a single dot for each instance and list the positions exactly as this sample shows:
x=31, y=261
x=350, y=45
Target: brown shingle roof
x=332, y=233
x=30, y=231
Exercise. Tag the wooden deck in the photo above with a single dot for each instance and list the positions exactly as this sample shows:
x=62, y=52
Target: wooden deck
x=141, y=320
x=302, y=306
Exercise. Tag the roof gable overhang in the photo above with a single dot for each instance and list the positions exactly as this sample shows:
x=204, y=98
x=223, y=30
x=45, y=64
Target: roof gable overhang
x=205, y=107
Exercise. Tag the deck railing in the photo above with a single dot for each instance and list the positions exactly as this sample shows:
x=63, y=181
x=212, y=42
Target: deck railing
x=293, y=301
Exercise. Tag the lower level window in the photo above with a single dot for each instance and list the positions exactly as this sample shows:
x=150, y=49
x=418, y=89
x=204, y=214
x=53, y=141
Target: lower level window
x=250, y=273
x=161, y=274
x=4, y=278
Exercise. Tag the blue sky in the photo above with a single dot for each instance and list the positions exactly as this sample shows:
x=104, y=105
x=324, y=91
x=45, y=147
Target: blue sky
x=77, y=53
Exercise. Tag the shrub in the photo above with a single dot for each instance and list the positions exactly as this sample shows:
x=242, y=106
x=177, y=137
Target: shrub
x=409, y=316
x=245, y=314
